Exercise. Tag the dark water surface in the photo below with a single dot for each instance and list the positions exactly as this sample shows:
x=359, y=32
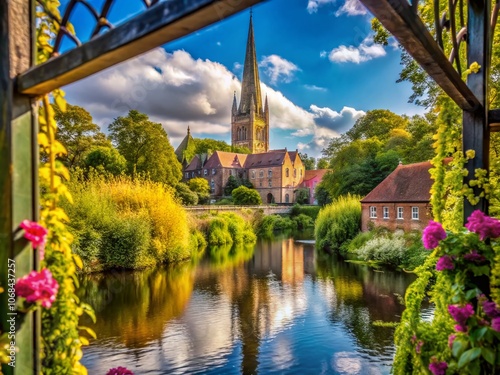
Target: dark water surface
x=273, y=309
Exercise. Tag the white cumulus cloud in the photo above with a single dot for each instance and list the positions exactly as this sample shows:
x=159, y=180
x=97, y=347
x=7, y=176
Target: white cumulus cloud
x=366, y=51
x=351, y=8
x=278, y=68
x=313, y=5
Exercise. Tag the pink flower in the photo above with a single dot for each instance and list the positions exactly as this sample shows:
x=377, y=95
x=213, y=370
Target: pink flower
x=418, y=347
x=432, y=234
x=119, y=371
x=34, y=232
x=451, y=339
x=38, y=287
x=445, y=263
x=473, y=256
x=460, y=315
x=490, y=308
x=485, y=226
x=438, y=368
x=495, y=324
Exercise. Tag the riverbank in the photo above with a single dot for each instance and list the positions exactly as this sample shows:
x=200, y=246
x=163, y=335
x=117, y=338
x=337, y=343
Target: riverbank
x=119, y=223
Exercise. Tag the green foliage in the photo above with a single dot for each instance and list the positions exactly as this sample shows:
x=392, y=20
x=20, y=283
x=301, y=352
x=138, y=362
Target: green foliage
x=106, y=159
x=185, y=194
x=225, y=202
x=120, y=223
x=303, y=221
x=302, y=196
x=308, y=161
x=338, y=223
x=208, y=146
x=146, y=147
x=78, y=134
x=201, y=187
x=311, y=211
x=322, y=163
x=228, y=228
x=245, y=196
x=275, y=223
x=232, y=183
x=378, y=124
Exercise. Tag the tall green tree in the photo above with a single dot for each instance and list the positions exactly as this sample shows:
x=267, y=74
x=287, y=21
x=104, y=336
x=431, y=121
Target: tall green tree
x=78, y=133
x=146, y=147
x=106, y=159
x=201, y=187
x=208, y=145
x=308, y=161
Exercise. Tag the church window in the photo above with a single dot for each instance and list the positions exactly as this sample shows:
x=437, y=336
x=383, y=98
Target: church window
x=253, y=175
x=287, y=172
x=261, y=174
x=213, y=170
x=287, y=198
x=270, y=173
x=212, y=185
x=270, y=183
x=294, y=172
x=192, y=174
x=260, y=183
x=300, y=172
x=205, y=172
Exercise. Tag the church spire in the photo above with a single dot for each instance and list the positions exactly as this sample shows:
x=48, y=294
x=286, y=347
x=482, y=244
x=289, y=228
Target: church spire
x=250, y=85
x=234, y=110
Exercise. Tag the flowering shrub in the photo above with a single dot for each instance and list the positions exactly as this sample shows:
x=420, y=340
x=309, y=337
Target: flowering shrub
x=464, y=336
x=38, y=287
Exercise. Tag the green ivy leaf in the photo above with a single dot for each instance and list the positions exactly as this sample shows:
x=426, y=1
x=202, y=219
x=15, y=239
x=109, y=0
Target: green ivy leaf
x=458, y=348
x=470, y=294
x=468, y=356
x=477, y=334
x=488, y=355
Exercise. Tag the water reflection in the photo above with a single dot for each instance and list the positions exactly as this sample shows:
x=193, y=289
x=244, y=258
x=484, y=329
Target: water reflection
x=272, y=308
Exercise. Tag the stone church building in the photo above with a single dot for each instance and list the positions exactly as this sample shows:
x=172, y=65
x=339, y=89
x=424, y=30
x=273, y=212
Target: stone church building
x=275, y=174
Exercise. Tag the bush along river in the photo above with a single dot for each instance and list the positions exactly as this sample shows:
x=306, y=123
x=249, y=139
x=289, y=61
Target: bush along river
x=276, y=307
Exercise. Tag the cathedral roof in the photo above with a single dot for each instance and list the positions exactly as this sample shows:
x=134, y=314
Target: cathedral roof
x=266, y=159
x=226, y=160
x=250, y=85
x=187, y=144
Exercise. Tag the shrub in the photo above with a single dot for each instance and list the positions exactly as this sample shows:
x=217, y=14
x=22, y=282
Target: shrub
x=388, y=250
x=229, y=228
x=201, y=187
x=126, y=224
x=245, y=196
x=225, y=202
x=274, y=223
x=106, y=159
x=311, y=211
x=302, y=196
x=303, y=221
x=186, y=196
x=338, y=223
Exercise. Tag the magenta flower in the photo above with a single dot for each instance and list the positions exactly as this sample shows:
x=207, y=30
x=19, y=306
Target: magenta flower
x=460, y=315
x=34, y=232
x=495, y=324
x=119, y=371
x=474, y=257
x=438, y=368
x=418, y=347
x=38, y=287
x=445, y=263
x=451, y=339
x=432, y=234
x=490, y=308
x=485, y=226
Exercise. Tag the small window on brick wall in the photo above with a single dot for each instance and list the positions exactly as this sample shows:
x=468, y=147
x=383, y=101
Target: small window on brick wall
x=400, y=213
x=386, y=212
x=414, y=213
x=373, y=212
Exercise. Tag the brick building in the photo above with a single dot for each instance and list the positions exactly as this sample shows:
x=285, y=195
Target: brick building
x=401, y=201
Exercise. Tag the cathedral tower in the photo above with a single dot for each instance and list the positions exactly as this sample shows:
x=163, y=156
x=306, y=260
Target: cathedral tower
x=250, y=121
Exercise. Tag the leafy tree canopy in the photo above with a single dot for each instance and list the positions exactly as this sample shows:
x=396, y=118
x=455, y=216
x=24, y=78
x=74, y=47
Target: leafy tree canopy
x=78, y=133
x=308, y=161
x=207, y=145
x=146, y=147
x=106, y=159
x=201, y=187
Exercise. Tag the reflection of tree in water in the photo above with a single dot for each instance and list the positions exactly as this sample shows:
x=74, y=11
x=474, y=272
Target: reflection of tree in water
x=362, y=296
x=134, y=307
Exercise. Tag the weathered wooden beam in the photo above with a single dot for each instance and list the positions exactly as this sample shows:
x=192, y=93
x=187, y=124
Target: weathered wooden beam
x=405, y=25
x=154, y=27
x=494, y=120
x=475, y=129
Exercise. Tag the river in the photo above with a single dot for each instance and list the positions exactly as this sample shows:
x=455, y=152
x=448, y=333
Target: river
x=273, y=308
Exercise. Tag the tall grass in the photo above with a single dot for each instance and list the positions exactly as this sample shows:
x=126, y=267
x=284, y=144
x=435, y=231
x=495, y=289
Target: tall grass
x=338, y=223
x=120, y=223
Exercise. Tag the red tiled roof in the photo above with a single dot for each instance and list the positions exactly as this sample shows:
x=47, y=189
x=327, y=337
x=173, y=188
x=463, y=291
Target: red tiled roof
x=266, y=159
x=319, y=173
x=226, y=160
x=407, y=183
x=194, y=165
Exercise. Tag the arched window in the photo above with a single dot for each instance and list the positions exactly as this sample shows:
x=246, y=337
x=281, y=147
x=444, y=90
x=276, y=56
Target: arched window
x=294, y=172
x=238, y=137
x=270, y=173
x=287, y=172
x=261, y=173
x=287, y=198
x=253, y=175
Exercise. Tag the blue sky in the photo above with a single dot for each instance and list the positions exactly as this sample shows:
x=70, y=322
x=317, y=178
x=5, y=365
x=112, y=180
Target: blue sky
x=318, y=65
